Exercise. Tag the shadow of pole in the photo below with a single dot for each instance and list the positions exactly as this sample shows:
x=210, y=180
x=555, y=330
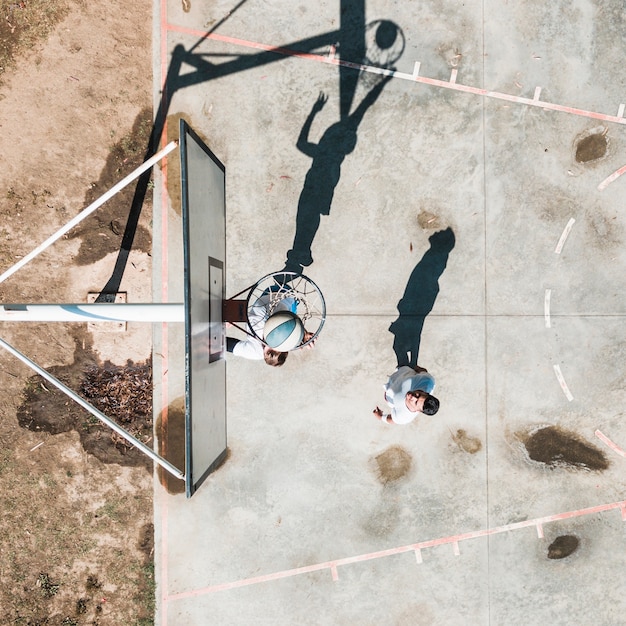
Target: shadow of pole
x=205, y=71
x=419, y=297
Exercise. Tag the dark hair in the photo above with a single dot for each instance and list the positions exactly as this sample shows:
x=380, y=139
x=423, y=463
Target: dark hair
x=275, y=358
x=431, y=405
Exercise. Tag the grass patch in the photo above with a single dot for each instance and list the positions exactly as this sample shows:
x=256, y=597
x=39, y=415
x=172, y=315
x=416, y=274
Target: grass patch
x=24, y=24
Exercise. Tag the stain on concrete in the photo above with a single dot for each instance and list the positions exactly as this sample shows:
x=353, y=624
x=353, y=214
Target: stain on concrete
x=170, y=429
x=428, y=220
x=593, y=146
x=173, y=163
x=554, y=447
x=563, y=546
x=392, y=464
x=466, y=443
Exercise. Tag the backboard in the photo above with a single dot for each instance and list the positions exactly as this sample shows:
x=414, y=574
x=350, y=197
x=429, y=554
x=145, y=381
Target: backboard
x=204, y=249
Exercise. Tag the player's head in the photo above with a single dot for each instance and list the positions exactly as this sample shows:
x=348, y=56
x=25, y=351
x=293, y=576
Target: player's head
x=419, y=401
x=274, y=357
x=431, y=405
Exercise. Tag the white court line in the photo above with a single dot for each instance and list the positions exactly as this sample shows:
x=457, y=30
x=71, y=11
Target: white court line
x=561, y=379
x=546, y=307
x=537, y=94
x=564, y=235
x=620, y=111
x=453, y=74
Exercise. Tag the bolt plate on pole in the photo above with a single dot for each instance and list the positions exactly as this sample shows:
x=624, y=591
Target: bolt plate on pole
x=111, y=327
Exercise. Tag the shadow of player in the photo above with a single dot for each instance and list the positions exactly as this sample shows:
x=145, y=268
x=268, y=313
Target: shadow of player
x=419, y=297
x=316, y=197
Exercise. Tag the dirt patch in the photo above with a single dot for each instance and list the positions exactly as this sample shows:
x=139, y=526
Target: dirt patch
x=563, y=546
x=466, y=443
x=593, y=146
x=75, y=107
x=428, y=220
x=392, y=464
x=553, y=447
x=122, y=393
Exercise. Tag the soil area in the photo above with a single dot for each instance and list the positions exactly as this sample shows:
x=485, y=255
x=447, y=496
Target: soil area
x=76, y=541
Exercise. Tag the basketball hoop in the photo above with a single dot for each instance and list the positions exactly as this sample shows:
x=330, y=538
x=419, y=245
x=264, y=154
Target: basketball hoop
x=280, y=291
x=288, y=291
x=384, y=43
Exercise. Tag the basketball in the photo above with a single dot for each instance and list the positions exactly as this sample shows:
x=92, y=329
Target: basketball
x=283, y=331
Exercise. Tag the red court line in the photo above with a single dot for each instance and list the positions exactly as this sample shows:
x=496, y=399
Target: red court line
x=609, y=179
x=449, y=84
x=164, y=579
x=602, y=437
x=414, y=547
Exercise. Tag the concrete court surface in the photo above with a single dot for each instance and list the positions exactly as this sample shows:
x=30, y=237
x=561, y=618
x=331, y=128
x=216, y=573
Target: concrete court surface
x=510, y=132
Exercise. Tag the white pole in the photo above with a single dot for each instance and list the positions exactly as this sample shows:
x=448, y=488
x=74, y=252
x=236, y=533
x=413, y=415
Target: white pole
x=97, y=312
x=90, y=209
x=101, y=416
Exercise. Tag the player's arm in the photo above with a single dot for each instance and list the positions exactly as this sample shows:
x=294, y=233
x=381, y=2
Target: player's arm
x=303, y=144
x=383, y=418
x=231, y=342
x=307, y=336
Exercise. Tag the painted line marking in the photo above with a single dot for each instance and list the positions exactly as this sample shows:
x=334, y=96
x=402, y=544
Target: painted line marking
x=620, y=110
x=416, y=70
x=609, y=179
x=546, y=307
x=564, y=235
x=416, y=547
x=539, y=531
x=434, y=82
x=455, y=548
x=604, y=439
x=333, y=571
x=332, y=51
x=418, y=556
x=453, y=74
x=561, y=379
x=537, y=94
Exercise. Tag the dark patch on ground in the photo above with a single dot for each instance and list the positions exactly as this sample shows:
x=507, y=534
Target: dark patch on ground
x=563, y=546
x=592, y=147
x=170, y=429
x=392, y=464
x=122, y=393
x=428, y=220
x=101, y=233
x=92, y=583
x=173, y=165
x=557, y=448
x=466, y=443
x=146, y=541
